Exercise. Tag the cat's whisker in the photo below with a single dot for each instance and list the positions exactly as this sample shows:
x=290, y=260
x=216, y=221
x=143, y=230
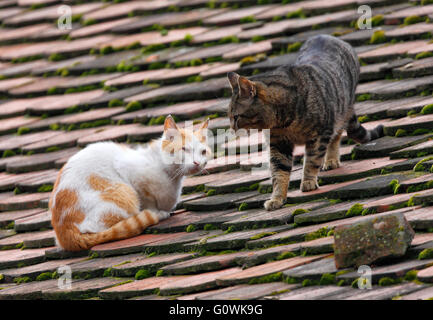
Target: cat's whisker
x=177, y=173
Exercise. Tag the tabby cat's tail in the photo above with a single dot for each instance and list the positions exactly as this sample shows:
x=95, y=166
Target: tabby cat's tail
x=127, y=228
x=358, y=133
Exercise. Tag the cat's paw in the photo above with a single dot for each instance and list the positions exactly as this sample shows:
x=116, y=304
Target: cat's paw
x=331, y=164
x=309, y=185
x=162, y=215
x=273, y=204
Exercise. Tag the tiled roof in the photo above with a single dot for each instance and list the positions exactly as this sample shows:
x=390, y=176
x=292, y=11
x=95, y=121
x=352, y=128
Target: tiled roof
x=125, y=65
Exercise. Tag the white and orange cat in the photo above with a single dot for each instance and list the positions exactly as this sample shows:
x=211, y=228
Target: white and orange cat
x=109, y=191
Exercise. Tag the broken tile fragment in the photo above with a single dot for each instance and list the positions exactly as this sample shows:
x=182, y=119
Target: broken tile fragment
x=373, y=239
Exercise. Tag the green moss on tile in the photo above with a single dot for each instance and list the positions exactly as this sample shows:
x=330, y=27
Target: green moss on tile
x=368, y=211
x=208, y=227
x=394, y=185
x=27, y=59
x=400, y=133
x=89, y=22
x=133, y=106
x=262, y=235
x=115, y=103
x=142, y=274
x=423, y=55
x=362, y=119
x=298, y=14
x=195, y=62
x=320, y=233
x=52, y=149
x=412, y=20
x=22, y=130
x=56, y=57
x=54, y=126
x=108, y=272
x=299, y=211
x=419, y=166
x=354, y=283
x=294, y=47
x=411, y=275
x=199, y=188
x=274, y=277
x=355, y=210
x=44, y=276
x=20, y=280
x=387, y=281
x=134, y=45
x=94, y=255
x=254, y=186
x=363, y=97
x=412, y=113
x=426, y=254
x=378, y=36
x=291, y=280
x=241, y=189
x=243, y=206
x=420, y=131
x=428, y=109
x=309, y=282
x=45, y=188
x=190, y=228
x=327, y=279
x=248, y=19
x=211, y=192
x=257, y=38
x=377, y=20
x=192, y=79
x=8, y=153
x=160, y=273
x=286, y=255
x=330, y=233
x=156, y=121
x=72, y=109
x=230, y=229
x=10, y=226
x=248, y=60
x=341, y=283
x=228, y=39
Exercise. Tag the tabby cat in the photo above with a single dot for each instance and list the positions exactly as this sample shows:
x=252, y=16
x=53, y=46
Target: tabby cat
x=309, y=102
x=110, y=191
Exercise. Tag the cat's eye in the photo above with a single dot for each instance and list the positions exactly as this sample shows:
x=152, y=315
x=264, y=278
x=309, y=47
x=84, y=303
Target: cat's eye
x=203, y=152
x=185, y=149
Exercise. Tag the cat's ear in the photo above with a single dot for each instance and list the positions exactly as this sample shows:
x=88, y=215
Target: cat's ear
x=234, y=83
x=169, y=123
x=201, y=132
x=170, y=128
x=247, y=88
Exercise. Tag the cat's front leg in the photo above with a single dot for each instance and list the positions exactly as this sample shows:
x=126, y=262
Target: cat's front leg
x=332, y=157
x=281, y=161
x=315, y=151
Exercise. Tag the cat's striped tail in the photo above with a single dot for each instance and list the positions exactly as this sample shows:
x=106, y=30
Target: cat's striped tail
x=72, y=240
x=358, y=133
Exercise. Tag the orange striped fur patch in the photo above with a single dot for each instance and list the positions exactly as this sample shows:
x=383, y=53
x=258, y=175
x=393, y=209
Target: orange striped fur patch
x=111, y=219
x=118, y=193
x=64, y=218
